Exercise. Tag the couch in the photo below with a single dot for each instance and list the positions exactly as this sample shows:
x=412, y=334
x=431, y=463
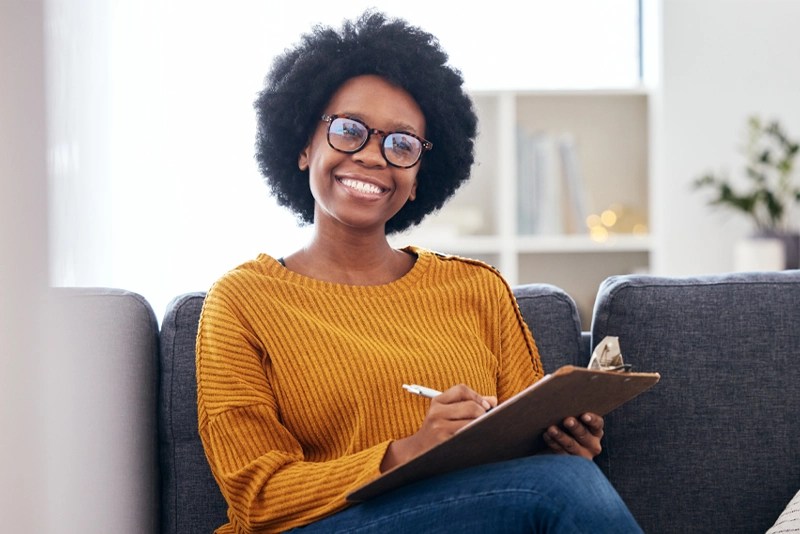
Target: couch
x=714, y=447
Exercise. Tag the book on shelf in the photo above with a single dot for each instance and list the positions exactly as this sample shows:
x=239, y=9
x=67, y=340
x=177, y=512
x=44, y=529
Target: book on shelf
x=577, y=211
x=551, y=195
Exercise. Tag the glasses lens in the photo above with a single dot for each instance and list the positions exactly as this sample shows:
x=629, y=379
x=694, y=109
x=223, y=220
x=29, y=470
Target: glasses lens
x=401, y=149
x=346, y=134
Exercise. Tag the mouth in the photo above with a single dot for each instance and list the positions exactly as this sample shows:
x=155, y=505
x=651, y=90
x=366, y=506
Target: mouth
x=359, y=186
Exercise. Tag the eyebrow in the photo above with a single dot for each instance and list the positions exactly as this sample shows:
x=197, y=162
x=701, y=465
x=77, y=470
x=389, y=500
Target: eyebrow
x=396, y=126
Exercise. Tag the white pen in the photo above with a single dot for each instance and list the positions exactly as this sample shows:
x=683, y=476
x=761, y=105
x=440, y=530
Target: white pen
x=421, y=390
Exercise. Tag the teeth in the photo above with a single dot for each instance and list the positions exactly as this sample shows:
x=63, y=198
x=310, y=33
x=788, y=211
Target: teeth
x=361, y=186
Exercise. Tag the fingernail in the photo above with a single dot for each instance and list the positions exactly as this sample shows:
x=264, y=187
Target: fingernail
x=486, y=405
x=587, y=418
x=570, y=423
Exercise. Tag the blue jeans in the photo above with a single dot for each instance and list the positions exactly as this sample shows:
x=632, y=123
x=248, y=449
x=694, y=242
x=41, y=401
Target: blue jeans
x=544, y=493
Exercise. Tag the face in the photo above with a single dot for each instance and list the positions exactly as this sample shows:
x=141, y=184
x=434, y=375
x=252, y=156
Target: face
x=361, y=190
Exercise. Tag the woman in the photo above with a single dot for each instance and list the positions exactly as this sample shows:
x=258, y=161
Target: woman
x=300, y=360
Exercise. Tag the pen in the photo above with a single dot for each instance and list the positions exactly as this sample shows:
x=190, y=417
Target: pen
x=421, y=390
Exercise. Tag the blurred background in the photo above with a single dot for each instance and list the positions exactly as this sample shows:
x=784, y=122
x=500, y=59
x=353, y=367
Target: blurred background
x=153, y=183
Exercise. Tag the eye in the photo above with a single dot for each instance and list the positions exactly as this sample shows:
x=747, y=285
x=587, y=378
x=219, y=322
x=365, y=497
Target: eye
x=350, y=129
x=403, y=143
x=347, y=135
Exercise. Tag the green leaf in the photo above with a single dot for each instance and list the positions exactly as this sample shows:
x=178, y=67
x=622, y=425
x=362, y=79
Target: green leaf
x=770, y=190
x=774, y=206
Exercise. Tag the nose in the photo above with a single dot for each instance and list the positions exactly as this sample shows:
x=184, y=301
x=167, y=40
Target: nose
x=370, y=154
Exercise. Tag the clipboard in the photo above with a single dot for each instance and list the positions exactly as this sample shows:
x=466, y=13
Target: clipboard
x=514, y=428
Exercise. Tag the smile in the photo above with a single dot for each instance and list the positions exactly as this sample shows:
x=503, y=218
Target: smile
x=361, y=187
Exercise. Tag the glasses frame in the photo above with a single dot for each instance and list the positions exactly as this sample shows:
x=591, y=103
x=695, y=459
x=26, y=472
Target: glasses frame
x=426, y=145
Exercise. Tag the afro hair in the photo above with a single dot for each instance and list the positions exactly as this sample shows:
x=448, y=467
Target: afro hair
x=303, y=80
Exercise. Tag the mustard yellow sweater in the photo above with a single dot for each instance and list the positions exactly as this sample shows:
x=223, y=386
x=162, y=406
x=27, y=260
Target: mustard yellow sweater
x=299, y=381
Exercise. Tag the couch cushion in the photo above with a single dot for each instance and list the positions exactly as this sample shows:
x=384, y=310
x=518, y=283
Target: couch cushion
x=190, y=499
x=715, y=446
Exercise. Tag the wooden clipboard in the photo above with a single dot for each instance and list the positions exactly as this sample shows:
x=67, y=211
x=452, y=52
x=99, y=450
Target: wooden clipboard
x=514, y=428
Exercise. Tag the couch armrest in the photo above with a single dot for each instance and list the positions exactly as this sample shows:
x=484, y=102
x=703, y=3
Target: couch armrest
x=100, y=386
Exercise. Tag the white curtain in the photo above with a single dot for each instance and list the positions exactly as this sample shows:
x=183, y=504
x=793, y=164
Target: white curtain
x=153, y=183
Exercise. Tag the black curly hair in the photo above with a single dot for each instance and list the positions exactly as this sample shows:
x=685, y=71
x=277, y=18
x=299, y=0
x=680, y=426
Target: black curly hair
x=303, y=80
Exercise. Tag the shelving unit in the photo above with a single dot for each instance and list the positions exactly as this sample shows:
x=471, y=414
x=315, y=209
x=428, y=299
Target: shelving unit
x=610, y=133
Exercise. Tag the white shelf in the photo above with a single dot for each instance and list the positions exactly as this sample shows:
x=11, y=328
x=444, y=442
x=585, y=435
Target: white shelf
x=609, y=129
x=564, y=244
x=460, y=245
x=600, y=91
x=580, y=243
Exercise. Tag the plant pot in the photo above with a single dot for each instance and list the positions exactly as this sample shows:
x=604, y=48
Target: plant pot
x=791, y=242
x=768, y=251
x=759, y=253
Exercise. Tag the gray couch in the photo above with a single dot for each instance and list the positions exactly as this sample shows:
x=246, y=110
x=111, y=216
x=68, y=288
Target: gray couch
x=714, y=447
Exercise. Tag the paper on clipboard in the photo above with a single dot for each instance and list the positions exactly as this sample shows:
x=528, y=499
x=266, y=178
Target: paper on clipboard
x=514, y=428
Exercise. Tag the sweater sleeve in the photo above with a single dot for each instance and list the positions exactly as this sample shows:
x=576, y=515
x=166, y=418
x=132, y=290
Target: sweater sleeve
x=520, y=365
x=257, y=463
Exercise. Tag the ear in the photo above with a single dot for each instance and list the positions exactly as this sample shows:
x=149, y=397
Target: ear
x=302, y=159
x=413, y=194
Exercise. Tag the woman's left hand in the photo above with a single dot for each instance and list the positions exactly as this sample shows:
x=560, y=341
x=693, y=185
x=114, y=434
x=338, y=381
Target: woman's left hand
x=576, y=435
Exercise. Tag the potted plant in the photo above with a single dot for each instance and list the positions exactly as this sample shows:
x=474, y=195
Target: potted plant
x=769, y=194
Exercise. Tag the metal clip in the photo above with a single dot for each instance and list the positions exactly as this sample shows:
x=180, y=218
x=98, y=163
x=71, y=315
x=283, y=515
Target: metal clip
x=607, y=356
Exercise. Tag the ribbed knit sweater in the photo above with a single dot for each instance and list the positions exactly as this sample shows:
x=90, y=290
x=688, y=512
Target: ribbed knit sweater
x=299, y=380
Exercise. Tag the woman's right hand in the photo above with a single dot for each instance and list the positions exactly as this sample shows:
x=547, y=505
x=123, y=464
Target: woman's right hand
x=447, y=414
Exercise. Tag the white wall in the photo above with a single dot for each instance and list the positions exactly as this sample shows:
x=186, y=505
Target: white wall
x=23, y=262
x=721, y=61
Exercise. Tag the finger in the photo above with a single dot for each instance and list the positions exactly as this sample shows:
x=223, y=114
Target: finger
x=552, y=444
x=462, y=393
x=564, y=440
x=455, y=411
x=583, y=436
x=465, y=410
x=594, y=423
x=491, y=400
x=582, y=433
x=576, y=429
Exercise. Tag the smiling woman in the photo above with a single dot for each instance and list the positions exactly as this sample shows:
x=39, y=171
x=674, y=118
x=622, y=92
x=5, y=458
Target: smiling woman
x=300, y=359
x=147, y=112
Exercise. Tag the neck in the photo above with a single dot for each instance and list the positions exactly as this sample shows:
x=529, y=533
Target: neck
x=351, y=259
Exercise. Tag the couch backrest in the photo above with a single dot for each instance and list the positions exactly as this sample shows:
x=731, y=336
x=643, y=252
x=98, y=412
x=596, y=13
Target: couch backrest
x=190, y=499
x=191, y=502
x=715, y=446
x=552, y=316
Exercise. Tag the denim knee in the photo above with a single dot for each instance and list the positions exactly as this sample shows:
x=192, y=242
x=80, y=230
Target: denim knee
x=583, y=499
x=544, y=493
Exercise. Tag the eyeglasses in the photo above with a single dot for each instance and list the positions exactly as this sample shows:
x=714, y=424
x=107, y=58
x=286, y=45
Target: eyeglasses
x=399, y=149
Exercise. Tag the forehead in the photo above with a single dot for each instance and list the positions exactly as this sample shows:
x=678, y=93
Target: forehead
x=379, y=103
